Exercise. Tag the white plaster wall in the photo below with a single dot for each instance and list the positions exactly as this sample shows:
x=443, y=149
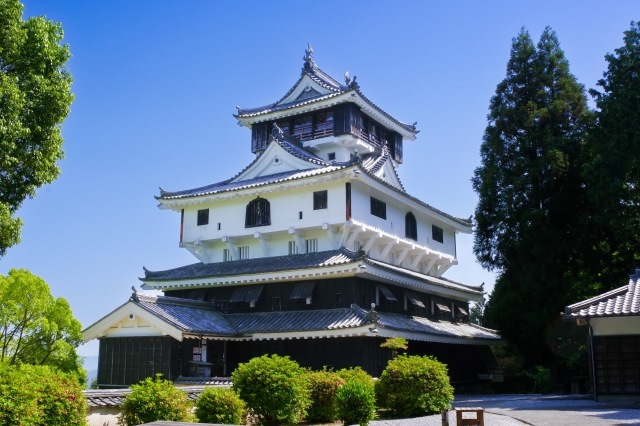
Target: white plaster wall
x=285, y=206
x=616, y=326
x=103, y=416
x=396, y=212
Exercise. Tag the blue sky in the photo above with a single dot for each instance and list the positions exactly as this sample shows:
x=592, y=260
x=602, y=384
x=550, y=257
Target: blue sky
x=157, y=82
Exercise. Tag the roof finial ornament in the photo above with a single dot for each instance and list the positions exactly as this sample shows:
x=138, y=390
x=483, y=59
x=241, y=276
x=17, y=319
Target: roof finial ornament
x=134, y=296
x=350, y=82
x=277, y=132
x=309, y=63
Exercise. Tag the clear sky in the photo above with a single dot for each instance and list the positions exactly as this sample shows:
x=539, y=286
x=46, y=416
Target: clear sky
x=156, y=84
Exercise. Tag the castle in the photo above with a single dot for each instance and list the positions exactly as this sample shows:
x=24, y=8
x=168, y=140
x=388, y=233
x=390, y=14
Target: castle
x=314, y=250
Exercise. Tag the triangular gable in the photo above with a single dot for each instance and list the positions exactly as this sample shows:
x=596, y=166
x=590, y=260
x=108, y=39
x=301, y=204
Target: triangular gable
x=304, y=88
x=388, y=174
x=274, y=160
x=130, y=320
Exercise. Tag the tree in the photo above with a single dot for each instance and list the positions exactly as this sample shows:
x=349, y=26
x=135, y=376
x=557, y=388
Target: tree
x=35, y=95
x=612, y=173
x=476, y=313
x=35, y=328
x=530, y=191
x=395, y=344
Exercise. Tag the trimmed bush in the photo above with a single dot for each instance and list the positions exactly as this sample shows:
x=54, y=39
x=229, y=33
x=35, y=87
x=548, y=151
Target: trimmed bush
x=154, y=399
x=39, y=396
x=356, y=374
x=356, y=403
x=414, y=386
x=274, y=388
x=221, y=406
x=324, y=386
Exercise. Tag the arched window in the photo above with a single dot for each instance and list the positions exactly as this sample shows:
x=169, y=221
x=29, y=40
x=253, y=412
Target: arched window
x=410, y=227
x=258, y=213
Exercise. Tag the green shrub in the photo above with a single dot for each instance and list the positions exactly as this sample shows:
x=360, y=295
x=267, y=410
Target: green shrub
x=221, y=406
x=324, y=386
x=414, y=386
x=39, y=396
x=274, y=388
x=356, y=403
x=541, y=377
x=356, y=374
x=154, y=399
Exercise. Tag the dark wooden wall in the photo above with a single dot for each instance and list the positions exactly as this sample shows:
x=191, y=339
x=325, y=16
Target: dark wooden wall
x=124, y=361
x=617, y=364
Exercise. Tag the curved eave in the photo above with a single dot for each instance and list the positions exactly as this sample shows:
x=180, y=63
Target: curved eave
x=345, y=269
x=420, y=282
x=296, y=179
x=275, y=112
x=388, y=332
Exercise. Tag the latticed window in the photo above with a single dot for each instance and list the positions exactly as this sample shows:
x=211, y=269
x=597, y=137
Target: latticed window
x=244, y=252
x=324, y=124
x=410, y=227
x=226, y=255
x=293, y=248
x=303, y=127
x=258, y=213
x=312, y=245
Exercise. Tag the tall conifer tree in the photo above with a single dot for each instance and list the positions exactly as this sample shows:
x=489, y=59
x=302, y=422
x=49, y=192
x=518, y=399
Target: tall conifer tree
x=613, y=171
x=530, y=192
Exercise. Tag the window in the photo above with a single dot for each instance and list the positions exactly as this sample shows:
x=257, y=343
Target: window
x=226, y=255
x=320, y=200
x=339, y=300
x=303, y=127
x=410, y=227
x=324, y=124
x=293, y=249
x=277, y=304
x=312, y=245
x=258, y=213
x=244, y=252
x=331, y=156
x=203, y=217
x=437, y=234
x=378, y=208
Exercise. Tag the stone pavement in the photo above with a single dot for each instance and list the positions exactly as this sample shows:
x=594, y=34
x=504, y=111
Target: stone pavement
x=556, y=410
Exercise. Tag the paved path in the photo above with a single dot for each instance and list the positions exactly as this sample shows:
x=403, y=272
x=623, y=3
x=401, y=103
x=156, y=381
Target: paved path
x=557, y=410
x=538, y=410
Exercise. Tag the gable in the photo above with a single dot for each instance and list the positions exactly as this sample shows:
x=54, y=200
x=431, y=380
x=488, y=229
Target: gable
x=305, y=88
x=274, y=160
x=130, y=320
x=388, y=174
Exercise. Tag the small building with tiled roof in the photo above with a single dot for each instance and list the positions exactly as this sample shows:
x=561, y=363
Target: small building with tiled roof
x=313, y=250
x=613, y=319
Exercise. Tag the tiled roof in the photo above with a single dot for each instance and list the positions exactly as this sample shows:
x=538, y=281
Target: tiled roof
x=292, y=321
x=190, y=316
x=232, y=184
x=369, y=164
x=325, y=81
x=252, y=266
x=441, y=282
x=115, y=397
x=623, y=301
x=185, y=315
x=432, y=329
